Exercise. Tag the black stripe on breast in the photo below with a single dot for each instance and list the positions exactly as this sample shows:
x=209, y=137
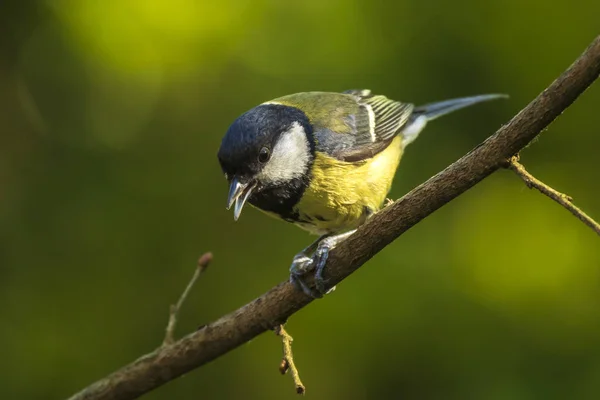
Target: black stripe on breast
x=281, y=199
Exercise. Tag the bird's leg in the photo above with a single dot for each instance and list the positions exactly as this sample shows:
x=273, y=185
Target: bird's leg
x=314, y=257
x=321, y=255
x=303, y=263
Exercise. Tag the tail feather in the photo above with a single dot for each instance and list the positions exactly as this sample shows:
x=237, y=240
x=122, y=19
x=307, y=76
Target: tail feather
x=428, y=112
x=434, y=110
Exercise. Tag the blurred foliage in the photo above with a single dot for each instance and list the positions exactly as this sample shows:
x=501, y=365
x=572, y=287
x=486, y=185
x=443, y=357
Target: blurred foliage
x=111, y=114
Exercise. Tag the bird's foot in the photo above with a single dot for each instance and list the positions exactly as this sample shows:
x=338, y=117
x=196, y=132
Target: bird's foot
x=303, y=264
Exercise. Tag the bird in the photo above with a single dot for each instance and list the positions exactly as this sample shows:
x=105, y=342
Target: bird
x=323, y=161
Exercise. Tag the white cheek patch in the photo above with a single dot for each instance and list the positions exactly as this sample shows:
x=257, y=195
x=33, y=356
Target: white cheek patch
x=289, y=158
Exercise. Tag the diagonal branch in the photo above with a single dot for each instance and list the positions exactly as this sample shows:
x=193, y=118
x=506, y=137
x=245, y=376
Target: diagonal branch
x=561, y=198
x=274, y=307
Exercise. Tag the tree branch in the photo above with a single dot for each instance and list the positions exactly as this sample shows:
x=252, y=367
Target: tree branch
x=275, y=306
x=561, y=198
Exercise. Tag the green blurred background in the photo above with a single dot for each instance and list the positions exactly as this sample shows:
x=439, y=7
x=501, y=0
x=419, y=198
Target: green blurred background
x=111, y=114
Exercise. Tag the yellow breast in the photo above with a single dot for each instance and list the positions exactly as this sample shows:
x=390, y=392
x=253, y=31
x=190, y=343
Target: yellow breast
x=341, y=193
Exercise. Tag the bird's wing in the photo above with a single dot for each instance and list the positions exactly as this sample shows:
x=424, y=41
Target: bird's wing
x=353, y=125
x=376, y=122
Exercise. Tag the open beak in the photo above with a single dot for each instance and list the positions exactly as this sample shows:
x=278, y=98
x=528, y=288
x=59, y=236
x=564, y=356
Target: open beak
x=238, y=194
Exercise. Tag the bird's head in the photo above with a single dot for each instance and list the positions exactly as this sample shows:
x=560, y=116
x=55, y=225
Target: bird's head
x=266, y=147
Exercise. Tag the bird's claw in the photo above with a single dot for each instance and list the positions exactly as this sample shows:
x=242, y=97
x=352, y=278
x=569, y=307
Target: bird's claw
x=320, y=259
x=303, y=264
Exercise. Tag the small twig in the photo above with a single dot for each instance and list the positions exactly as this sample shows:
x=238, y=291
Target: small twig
x=203, y=262
x=287, y=363
x=561, y=198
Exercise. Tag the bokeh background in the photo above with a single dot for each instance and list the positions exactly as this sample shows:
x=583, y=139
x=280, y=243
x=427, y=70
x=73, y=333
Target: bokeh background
x=111, y=114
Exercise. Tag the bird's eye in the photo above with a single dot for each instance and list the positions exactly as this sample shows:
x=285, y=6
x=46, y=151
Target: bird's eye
x=264, y=154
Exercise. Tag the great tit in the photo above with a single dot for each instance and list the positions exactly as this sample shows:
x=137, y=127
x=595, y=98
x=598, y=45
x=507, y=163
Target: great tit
x=323, y=161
